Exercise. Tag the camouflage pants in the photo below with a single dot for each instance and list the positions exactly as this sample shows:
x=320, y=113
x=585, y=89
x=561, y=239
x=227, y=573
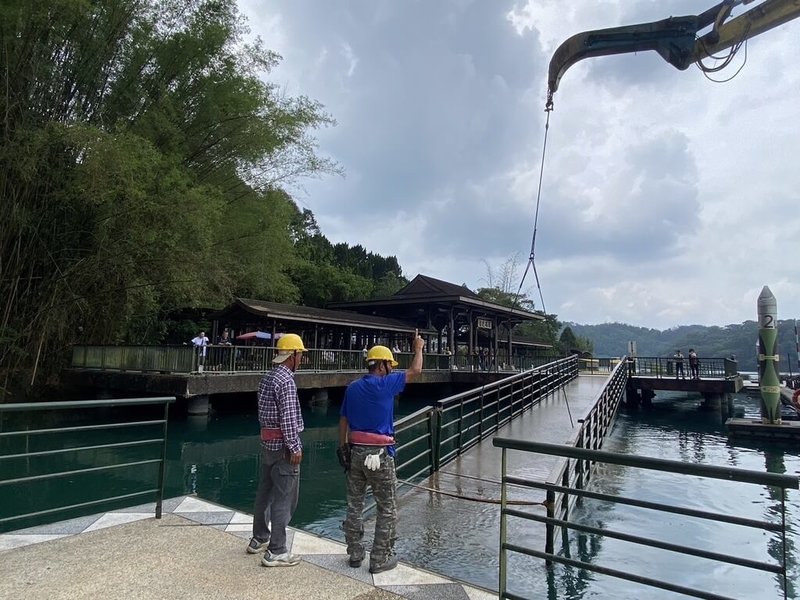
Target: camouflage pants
x=383, y=483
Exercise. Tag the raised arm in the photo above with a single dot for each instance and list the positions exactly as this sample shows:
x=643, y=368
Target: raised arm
x=416, y=362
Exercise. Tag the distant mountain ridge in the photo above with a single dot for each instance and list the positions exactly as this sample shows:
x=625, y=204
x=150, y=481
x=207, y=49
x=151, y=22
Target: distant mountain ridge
x=611, y=339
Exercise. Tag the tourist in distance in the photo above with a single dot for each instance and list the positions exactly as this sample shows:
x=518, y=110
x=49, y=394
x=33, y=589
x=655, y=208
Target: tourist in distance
x=678, y=358
x=281, y=452
x=694, y=364
x=200, y=341
x=366, y=451
x=224, y=338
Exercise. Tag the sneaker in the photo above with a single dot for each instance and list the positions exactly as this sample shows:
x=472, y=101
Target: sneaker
x=280, y=560
x=389, y=564
x=355, y=561
x=255, y=546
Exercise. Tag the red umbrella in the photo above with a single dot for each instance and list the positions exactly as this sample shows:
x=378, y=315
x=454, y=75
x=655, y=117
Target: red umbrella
x=260, y=335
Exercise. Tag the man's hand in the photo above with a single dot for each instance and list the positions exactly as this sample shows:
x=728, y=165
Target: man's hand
x=295, y=457
x=343, y=454
x=418, y=342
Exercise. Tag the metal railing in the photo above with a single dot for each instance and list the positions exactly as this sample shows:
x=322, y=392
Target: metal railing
x=593, y=430
x=592, y=457
x=474, y=363
x=166, y=359
x=435, y=435
x=603, y=365
x=466, y=418
x=230, y=359
x=244, y=359
x=14, y=440
x=708, y=368
x=417, y=438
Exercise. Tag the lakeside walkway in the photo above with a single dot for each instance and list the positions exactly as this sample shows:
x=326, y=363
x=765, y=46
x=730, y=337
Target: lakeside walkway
x=197, y=550
x=470, y=553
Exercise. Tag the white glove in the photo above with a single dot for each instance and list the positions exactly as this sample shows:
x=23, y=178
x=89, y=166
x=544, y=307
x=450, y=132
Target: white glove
x=373, y=461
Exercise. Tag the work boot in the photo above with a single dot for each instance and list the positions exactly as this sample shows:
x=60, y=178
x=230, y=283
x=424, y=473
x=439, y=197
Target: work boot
x=387, y=565
x=355, y=560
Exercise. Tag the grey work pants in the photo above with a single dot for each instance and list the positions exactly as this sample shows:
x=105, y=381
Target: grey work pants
x=383, y=483
x=276, y=498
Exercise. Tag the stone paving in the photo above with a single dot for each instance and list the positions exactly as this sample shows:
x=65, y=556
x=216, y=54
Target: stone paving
x=195, y=551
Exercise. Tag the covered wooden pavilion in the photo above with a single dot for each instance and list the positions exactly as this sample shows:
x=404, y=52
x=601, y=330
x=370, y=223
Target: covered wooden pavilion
x=319, y=327
x=463, y=321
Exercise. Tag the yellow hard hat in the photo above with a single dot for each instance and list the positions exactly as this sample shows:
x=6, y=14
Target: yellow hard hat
x=381, y=353
x=290, y=342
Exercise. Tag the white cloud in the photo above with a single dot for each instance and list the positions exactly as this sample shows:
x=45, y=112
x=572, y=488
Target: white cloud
x=666, y=199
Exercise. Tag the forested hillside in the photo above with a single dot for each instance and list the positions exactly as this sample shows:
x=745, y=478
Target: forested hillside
x=611, y=339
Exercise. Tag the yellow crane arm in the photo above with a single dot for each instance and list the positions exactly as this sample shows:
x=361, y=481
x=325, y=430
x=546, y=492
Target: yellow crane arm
x=676, y=38
x=755, y=21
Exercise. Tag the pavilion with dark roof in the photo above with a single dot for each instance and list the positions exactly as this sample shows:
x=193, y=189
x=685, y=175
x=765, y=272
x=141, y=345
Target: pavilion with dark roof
x=461, y=319
x=452, y=317
x=319, y=327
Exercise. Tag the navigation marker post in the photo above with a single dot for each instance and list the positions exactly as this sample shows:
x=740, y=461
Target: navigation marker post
x=768, y=365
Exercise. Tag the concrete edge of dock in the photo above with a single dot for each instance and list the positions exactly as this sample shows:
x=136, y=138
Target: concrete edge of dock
x=197, y=550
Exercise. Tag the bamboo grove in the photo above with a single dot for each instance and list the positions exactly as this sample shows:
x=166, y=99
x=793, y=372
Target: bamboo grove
x=144, y=167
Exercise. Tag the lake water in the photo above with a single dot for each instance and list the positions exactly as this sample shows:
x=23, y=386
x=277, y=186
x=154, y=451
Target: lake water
x=217, y=458
x=676, y=429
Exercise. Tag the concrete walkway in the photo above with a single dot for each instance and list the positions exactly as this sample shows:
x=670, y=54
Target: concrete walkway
x=197, y=550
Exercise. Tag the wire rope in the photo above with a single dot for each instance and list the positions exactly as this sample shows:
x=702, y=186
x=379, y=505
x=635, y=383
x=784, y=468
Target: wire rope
x=472, y=498
x=532, y=257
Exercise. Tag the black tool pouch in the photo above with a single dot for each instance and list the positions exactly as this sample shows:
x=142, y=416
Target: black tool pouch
x=343, y=454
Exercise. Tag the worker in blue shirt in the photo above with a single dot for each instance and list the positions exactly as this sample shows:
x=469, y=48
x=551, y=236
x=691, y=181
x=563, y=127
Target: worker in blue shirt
x=366, y=450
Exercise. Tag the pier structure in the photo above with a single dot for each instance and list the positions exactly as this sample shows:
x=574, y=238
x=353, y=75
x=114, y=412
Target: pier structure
x=469, y=342
x=717, y=379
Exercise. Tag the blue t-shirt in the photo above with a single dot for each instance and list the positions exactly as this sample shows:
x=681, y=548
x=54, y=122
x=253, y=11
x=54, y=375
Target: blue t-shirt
x=369, y=403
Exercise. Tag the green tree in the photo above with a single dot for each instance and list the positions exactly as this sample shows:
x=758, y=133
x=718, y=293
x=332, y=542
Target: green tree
x=326, y=272
x=141, y=170
x=503, y=287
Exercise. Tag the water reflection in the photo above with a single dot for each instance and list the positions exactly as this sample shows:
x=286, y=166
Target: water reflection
x=699, y=436
x=217, y=457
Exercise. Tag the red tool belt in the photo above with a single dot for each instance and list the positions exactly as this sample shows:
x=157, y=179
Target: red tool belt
x=270, y=435
x=365, y=438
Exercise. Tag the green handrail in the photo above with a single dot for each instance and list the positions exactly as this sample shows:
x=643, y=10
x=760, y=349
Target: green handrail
x=460, y=421
x=33, y=407
x=436, y=429
x=591, y=457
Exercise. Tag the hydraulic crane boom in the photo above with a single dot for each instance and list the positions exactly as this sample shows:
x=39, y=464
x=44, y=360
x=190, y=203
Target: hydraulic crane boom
x=676, y=38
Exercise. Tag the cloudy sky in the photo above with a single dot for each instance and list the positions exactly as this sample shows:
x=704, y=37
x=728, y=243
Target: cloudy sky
x=667, y=199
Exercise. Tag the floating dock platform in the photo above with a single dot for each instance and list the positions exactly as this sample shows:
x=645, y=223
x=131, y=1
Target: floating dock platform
x=754, y=428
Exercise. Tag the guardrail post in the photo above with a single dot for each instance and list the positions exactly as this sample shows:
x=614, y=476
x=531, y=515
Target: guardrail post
x=436, y=437
x=162, y=465
x=480, y=416
x=503, y=566
x=550, y=529
x=497, y=410
x=460, y=427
